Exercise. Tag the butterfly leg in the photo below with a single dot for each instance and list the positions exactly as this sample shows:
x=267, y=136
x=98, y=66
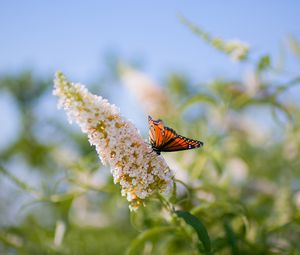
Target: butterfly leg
x=150, y=151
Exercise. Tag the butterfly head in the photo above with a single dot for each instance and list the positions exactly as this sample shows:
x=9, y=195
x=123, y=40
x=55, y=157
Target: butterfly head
x=155, y=122
x=155, y=150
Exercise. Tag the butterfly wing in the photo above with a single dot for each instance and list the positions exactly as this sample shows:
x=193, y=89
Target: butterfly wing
x=174, y=142
x=156, y=132
x=163, y=138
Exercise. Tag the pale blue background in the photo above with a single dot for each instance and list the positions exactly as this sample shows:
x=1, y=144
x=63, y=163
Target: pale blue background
x=73, y=36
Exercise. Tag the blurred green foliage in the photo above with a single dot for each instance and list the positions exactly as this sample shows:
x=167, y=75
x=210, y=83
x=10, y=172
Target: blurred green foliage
x=239, y=194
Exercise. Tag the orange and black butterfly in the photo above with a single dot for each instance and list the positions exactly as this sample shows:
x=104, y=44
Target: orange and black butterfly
x=163, y=138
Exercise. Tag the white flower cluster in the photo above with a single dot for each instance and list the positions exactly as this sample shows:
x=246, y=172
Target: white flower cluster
x=152, y=98
x=118, y=143
x=236, y=49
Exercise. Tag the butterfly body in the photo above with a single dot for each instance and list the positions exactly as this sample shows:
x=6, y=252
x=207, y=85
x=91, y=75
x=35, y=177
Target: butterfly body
x=165, y=139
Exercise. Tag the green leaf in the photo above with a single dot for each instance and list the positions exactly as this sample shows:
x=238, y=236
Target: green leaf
x=173, y=198
x=199, y=227
x=231, y=238
x=263, y=63
x=21, y=184
x=150, y=234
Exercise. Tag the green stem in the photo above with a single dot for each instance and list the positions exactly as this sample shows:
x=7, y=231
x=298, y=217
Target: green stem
x=21, y=184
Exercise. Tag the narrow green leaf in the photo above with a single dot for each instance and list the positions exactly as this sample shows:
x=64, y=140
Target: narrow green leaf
x=199, y=227
x=21, y=184
x=198, y=99
x=232, y=240
x=173, y=198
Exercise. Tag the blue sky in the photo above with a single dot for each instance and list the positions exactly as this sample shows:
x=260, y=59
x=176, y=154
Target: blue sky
x=73, y=36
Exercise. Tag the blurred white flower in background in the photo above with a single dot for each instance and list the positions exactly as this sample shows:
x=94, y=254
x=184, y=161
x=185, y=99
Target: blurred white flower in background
x=252, y=83
x=255, y=132
x=236, y=49
x=151, y=97
x=83, y=214
x=297, y=199
x=60, y=230
x=117, y=141
x=236, y=171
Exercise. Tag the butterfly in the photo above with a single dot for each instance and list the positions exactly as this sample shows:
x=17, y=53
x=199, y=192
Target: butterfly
x=163, y=138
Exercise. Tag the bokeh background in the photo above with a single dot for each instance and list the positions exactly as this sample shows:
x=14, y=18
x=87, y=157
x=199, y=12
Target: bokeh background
x=57, y=198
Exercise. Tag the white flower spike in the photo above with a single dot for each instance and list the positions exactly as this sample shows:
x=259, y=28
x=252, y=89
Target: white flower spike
x=117, y=142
